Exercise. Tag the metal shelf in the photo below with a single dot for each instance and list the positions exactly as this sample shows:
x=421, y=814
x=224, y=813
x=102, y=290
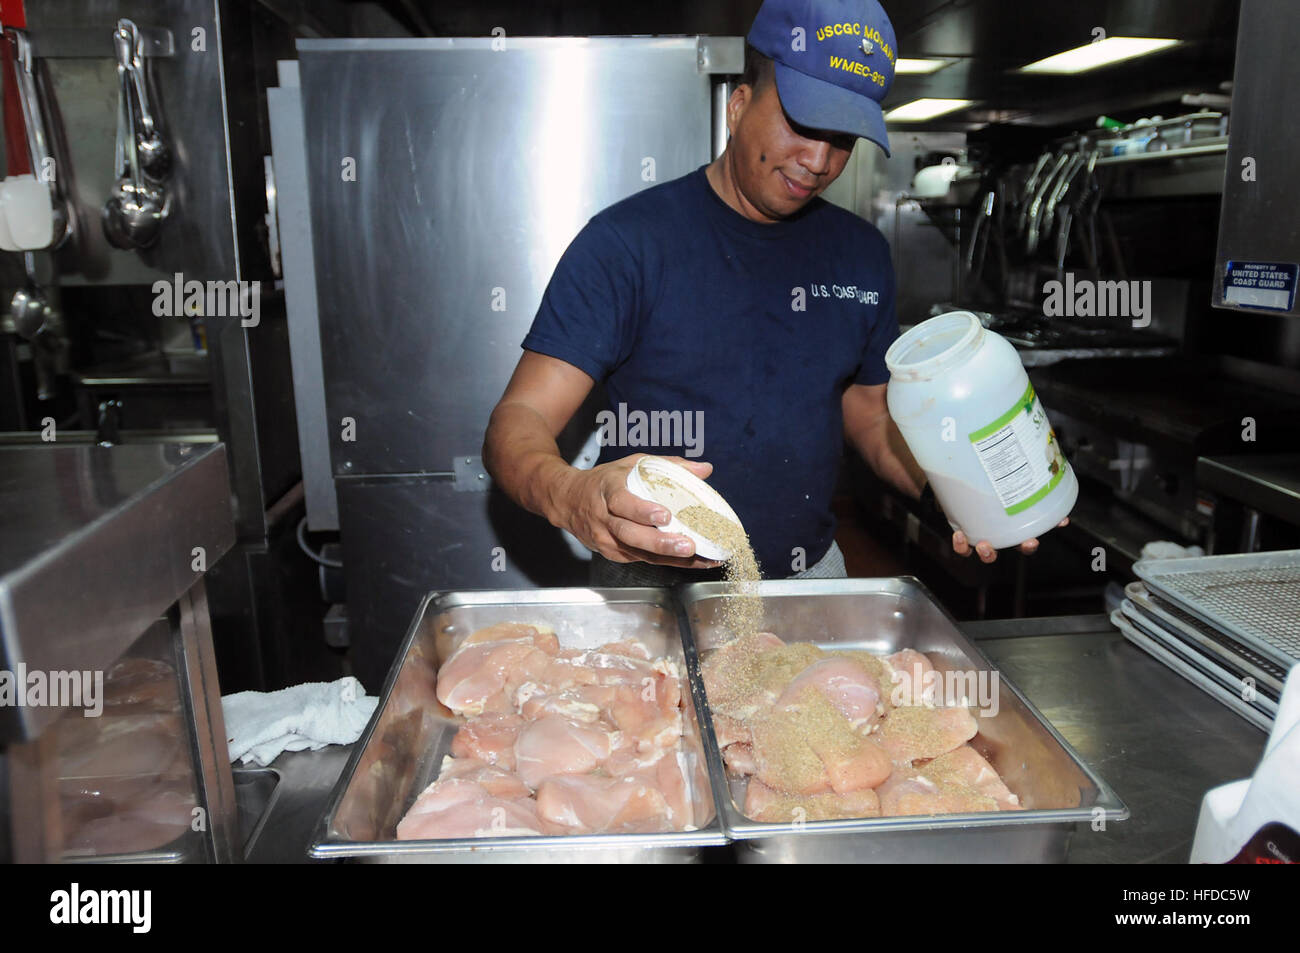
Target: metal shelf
x=1218, y=146
x=73, y=42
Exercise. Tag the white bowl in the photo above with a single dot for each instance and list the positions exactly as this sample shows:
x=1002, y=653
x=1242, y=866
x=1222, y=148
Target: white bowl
x=934, y=181
x=689, y=490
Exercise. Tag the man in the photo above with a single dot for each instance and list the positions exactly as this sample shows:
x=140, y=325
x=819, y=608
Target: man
x=737, y=295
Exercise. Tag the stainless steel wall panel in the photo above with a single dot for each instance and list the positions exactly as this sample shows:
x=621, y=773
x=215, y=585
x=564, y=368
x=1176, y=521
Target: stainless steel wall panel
x=404, y=537
x=294, y=218
x=474, y=170
x=1258, y=222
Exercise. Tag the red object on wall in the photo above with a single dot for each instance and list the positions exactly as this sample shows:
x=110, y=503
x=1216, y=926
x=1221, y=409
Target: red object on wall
x=13, y=14
x=17, y=161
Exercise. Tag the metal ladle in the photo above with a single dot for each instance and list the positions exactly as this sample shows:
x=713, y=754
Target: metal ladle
x=29, y=308
x=134, y=210
x=123, y=188
x=39, y=144
x=154, y=156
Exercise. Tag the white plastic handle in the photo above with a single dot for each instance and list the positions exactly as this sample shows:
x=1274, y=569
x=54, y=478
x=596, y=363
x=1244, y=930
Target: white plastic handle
x=28, y=212
x=7, y=242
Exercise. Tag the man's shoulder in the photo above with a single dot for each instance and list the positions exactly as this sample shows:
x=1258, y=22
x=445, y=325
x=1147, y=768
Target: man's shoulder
x=834, y=220
x=661, y=204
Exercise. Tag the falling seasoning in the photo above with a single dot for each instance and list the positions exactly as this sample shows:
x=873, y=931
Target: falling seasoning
x=742, y=610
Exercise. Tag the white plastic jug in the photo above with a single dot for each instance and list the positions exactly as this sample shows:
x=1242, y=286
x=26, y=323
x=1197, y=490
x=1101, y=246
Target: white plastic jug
x=963, y=402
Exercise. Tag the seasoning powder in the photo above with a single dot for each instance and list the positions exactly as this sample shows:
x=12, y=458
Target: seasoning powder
x=742, y=610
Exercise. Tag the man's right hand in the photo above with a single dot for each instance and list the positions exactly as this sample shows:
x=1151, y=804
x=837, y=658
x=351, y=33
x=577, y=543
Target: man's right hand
x=520, y=453
x=609, y=519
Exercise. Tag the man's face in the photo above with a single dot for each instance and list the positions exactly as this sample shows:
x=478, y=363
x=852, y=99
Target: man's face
x=780, y=166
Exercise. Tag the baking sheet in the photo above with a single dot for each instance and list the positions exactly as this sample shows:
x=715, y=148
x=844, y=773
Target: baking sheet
x=1227, y=677
x=1207, y=639
x=1211, y=688
x=1252, y=597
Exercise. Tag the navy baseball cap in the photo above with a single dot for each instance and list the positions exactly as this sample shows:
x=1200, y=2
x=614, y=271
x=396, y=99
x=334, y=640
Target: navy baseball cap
x=834, y=62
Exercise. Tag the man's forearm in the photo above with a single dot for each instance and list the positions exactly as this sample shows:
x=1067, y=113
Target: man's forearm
x=893, y=470
x=885, y=451
x=524, y=460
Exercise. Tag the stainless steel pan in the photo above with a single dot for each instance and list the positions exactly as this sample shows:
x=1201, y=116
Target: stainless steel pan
x=1057, y=789
x=403, y=746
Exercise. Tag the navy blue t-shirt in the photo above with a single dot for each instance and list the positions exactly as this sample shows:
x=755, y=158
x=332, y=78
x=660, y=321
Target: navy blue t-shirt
x=679, y=303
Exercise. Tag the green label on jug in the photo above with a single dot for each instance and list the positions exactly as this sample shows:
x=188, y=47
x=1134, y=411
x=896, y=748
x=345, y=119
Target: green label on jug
x=1020, y=454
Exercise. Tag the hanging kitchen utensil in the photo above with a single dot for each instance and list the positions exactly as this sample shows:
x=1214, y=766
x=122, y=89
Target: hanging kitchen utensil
x=29, y=308
x=1043, y=199
x=1030, y=191
x=1022, y=182
x=16, y=160
x=1077, y=161
x=1030, y=215
x=154, y=155
x=1055, y=192
x=50, y=355
x=1066, y=212
x=123, y=188
x=35, y=317
x=997, y=228
x=1064, y=220
x=135, y=208
x=36, y=215
x=979, y=237
x=1087, y=221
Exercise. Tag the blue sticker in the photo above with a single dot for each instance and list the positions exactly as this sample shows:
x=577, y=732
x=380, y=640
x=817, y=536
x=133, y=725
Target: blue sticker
x=1269, y=286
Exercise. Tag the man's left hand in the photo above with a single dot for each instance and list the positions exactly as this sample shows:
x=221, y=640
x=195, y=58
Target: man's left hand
x=984, y=549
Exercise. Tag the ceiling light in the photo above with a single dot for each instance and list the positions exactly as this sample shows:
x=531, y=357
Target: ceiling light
x=920, y=110
x=1113, y=49
x=927, y=65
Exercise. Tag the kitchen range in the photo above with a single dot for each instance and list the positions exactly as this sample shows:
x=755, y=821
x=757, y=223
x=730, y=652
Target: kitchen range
x=835, y=431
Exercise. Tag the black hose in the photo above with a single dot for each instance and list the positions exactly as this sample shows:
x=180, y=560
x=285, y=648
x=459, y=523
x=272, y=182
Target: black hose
x=302, y=544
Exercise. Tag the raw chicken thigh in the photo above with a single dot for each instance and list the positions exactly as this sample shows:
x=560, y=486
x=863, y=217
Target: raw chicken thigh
x=556, y=741
x=824, y=735
x=490, y=664
x=957, y=782
x=554, y=745
x=490, y=739
x=471, y=799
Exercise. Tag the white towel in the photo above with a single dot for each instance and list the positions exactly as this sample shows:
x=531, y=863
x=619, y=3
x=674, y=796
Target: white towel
x=1163, y=549
x=260, y=725
x=1234, y=814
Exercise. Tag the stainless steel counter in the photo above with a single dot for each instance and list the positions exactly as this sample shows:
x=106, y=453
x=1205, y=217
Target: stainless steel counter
x=1158, y=741
x=1270, y=484
x=296, y=805
x=95, y=543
